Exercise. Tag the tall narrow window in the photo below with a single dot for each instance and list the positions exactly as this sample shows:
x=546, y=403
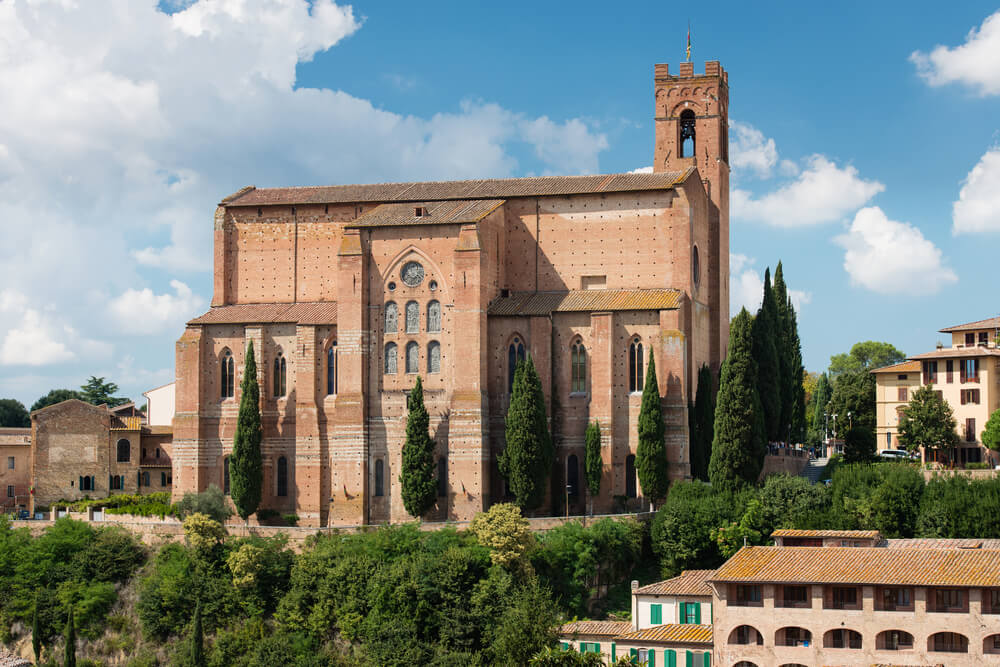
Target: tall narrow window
x=390, y=359
x=391, y=317
x=573, y=475
x=635, y=365
x=442, y=477
x=145, y=478
x=412, y=357
x=331, y=369
x=412, y=317
x=124, y=451
x=515, y=355
x=163, y=479
x=279, y=375
x=630, y=490
x=379, y=478
x=578, y=384
x=434, y=316
x=434, y=357
x=282, y=476
x=227, y=374
x=225, y=475
x=687, y=145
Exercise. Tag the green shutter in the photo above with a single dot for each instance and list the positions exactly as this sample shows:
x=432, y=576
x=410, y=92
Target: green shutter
x=565, y=646
x=707, y=659
x=671, y=658
x=711, y=614
x=634, y=653
x=583, y=645
x=650, y=658
x=689, y=658
x=613, y=647
x=697, y=613
x=656, y=614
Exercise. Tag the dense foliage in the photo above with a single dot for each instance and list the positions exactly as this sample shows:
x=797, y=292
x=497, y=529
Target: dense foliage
x=528, y=455
x=55, y=396
x=593, y=463
x=791, y=371
x=419, y=487
x=99, y=392
x=701, y=418
x=764, y=342
x=929, y=422
x=13, y=413
x=818, y=408
x=245, y=463
x=651, y=452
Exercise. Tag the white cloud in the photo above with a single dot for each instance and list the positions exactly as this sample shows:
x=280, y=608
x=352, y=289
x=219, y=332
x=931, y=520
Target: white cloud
x=978, y=205
x=33, y=336
x=642, y=170
x=891, y=257
x=143, y=312
x=746, y=286
x=750, y=150
x=822, y=193
x=976, y=63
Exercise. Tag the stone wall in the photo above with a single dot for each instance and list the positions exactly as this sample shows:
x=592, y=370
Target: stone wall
x=785, y=462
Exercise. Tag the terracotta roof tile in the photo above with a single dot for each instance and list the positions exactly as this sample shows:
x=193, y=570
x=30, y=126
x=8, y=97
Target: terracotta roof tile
x=671, y=633
x=494, y=188
x=317, y=312
x=856, y=534
x=941, y=543
x=689, y=582
x=595, y=628
x=864, y=565
x=988, y=323
x=904, y=367
x=434, y=213
x=959, y=352
x=543, y=303
x=125, y=423
x=8, y=659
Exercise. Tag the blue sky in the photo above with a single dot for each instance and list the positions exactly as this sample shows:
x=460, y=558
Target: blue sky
x=865, y=147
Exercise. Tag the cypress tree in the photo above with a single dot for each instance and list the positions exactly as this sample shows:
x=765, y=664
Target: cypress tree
x=197, y=639
x=593, y=466
x=783, y=346
x=739, y=443
x=765, y=354
x=245, y=465
x=821, y=397
x=651, y=453
x=798, y=416
x=36, y=633
x=70, y=660
x=417, y=474
x=527, y=458
x=701, y=421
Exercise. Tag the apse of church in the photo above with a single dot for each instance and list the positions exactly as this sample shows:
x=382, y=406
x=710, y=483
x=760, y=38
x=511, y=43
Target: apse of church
x=350, y=292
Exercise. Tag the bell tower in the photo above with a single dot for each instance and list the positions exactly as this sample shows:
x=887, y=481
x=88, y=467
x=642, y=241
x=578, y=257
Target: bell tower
x=691, y=116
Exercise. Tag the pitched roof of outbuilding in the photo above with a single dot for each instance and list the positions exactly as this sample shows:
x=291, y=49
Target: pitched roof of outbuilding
x=671, y=633
x=313, y=312
x=845, y=534
x=595, y=628
x=491, y=188
x=543, y=303
x=988, y=323
x=689, y=582
x=902, y=367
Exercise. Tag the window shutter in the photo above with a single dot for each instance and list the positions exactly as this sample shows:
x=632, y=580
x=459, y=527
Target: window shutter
x=655, y=614
x=697, y=613
x=706, y=659
x=613, y=656
x=633, y=652
x=975, y=366
x=81, y=482
x=565, y=646
x=670, y=658
x=962, y=397
x=651, y=658
x=689, y=658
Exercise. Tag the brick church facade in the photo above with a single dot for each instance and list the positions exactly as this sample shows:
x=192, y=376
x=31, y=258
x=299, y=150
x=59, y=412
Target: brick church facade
x=349, y=292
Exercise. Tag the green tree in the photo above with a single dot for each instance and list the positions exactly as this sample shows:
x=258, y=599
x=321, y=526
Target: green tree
x=651, y=452
x=784, y=347
x=797, y=422
x=56, y=396
x=928, y=422
x=739, y=443
x=99, y=392
x=865, y=356
x=36, y=631
x=245, y=466
x=197, y=639
x=210, y=502
x=991, y=432
x=859, y=445
x=593, y=465
x=853, y=401
x=13, y=413
x=732, y=536
x=764, y=339
x=417, y=474
x=701, y=418
x=527, y=458
x=821, y=399
x=503, y=531
x=70, y=658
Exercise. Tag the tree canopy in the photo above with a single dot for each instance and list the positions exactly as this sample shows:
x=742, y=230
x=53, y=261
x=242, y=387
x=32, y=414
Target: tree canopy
x=99, y=392
x=527, y=458
x=245, y=464
x=13, y=413
x=865, y=356
x=651, y=452
x=56, y=396
x=929, y=422
x=594, y=465
x=701, y=418
x=765, y=338
x=419, y=487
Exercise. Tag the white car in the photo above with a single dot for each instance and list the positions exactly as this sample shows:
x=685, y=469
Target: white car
x=894, y=454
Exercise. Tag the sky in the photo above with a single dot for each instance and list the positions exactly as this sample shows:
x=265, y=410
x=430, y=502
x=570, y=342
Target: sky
x=865, y=147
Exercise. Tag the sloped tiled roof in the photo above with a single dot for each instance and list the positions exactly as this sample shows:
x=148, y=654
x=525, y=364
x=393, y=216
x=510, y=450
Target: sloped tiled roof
x=314, y=312
x=989, y=323
x=595, y=628
x=543, y=303
x=492, y=188
x=689, y=582
x=903, y=367
x=125, y=423
x=941, y=543
x=8, y=659
x=864, y=565
x=959, y=352
x=845, y=534
x=671, y=633
x=434, y=213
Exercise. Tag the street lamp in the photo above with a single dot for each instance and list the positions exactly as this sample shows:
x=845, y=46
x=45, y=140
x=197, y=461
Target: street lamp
x=568, y=487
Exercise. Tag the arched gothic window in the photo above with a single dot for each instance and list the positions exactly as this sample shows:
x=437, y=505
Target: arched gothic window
x=434, y=316
x=412, y=357
x=391, y=317
x=515, y=355
x=379, y=478
x=227, y=373
x=282, y=476
x=635, y=365
x=145, y=478
x=331, y=369
x=412, y=317
x=573, y=474
x=434, y=357
x=225, y=475
x=124, y=451
x=390, y=359
x=687, y=145
x=630, y=490
x=279, y=375
x=578, y=383
x=442, y=477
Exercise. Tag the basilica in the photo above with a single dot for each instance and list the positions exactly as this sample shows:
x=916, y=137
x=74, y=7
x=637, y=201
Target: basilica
x=350, y=292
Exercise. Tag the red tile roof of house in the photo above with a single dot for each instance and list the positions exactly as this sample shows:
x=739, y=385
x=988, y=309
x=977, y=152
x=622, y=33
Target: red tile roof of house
x=595, y=628
x=670, y=633
x=432, y=213
x=689, y=582
x=315, y=312
x=988, y=323
x=959, y=352
x=846, y=534
x=543, y=303
x=903, y=367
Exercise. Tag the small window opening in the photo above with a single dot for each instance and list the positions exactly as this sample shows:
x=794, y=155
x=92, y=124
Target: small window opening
x=419, y=211
x=687, y=133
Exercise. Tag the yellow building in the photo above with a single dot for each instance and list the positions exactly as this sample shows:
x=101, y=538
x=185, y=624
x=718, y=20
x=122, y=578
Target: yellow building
x=966, y=375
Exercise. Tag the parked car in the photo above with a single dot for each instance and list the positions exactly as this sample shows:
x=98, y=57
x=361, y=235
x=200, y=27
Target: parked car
x=895, y=455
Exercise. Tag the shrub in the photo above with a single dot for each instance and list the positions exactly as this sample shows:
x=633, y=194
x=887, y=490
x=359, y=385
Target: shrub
x=211, y=502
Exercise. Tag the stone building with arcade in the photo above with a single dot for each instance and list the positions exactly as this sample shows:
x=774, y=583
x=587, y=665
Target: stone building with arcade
x=349, y=292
